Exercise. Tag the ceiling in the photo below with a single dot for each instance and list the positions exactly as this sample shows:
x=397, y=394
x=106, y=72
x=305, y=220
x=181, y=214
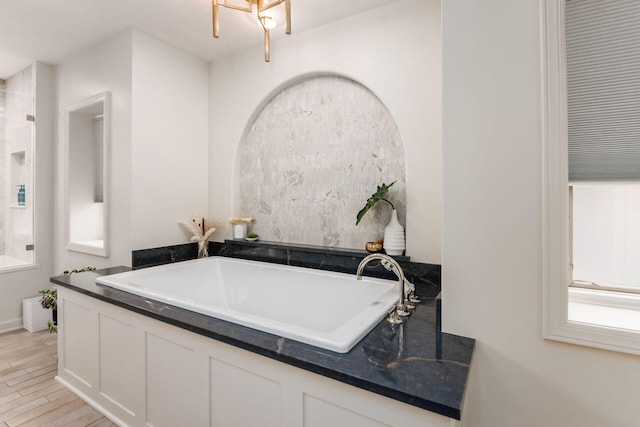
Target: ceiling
x=52, y=30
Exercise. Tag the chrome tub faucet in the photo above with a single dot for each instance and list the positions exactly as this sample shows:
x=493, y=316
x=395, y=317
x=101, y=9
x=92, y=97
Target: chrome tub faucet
x=405, y=301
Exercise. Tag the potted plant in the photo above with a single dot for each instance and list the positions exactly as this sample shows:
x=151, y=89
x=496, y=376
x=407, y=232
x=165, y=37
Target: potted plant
x=251, y=237
x=394, y=232
x=49, y=300
x=379, y=195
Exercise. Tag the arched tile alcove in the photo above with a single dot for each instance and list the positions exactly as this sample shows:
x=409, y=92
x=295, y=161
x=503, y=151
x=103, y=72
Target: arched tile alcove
x=312, y=157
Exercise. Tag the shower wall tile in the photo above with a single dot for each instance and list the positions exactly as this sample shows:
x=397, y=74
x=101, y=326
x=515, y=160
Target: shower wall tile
x=312, y=158
x=18, y=223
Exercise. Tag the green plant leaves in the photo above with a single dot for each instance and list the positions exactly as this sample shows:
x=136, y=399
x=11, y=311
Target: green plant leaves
x=81, y=270
x=380, y=194
x=49, y=298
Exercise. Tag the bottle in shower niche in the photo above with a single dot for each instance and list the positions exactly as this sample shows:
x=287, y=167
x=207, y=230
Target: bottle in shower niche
x=21, y=195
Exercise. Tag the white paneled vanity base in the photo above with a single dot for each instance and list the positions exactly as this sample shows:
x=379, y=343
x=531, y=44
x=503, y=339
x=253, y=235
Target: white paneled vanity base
x=142, y=372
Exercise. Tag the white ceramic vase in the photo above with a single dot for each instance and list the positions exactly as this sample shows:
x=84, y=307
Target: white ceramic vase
x=394, y=236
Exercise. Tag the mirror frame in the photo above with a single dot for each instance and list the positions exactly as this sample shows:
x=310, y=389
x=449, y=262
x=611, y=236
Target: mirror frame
x=103, y=98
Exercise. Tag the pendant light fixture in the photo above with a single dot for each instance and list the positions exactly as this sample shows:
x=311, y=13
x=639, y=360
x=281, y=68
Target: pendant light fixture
x=259, y=7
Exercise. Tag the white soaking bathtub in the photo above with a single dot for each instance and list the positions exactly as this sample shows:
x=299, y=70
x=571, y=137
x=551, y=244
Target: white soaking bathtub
x=330, y=310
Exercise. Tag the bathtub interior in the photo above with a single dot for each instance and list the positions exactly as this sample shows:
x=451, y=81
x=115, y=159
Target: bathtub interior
x=323, y=308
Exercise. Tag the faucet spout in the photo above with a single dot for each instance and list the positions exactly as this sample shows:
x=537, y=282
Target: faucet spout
x=392, y=265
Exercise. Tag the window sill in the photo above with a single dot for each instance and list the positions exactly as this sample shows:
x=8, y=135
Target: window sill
x=92, y=247
x=607, y=309
x=577, y=323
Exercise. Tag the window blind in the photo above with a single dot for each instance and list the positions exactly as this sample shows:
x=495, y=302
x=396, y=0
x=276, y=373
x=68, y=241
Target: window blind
x=603, y=83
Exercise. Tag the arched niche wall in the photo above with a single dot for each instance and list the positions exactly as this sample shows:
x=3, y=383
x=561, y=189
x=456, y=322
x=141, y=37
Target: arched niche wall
x=312, y=155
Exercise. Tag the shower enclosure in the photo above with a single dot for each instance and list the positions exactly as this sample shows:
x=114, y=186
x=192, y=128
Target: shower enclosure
x=16, y=174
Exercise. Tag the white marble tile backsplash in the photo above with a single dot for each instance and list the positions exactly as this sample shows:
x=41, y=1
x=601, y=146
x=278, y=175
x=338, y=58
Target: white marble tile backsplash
x=312, y=158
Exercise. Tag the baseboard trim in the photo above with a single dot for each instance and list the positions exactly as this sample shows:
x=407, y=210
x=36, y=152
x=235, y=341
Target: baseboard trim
x=11, y=325
x=91, y=402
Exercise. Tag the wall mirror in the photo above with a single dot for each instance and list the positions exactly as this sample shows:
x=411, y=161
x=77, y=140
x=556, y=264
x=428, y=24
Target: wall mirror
x=87, y=192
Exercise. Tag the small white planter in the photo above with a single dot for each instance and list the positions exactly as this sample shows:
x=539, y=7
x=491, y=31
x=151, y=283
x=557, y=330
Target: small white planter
x=34, y=317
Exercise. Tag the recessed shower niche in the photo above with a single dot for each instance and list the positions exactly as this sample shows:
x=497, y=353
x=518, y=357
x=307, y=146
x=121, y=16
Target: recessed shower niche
x=87, y=144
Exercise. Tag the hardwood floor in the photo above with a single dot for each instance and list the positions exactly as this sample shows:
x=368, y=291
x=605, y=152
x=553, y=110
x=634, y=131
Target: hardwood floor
x=29, y=394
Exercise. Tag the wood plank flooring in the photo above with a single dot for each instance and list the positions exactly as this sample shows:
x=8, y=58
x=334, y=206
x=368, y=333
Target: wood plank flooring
x=29, y=394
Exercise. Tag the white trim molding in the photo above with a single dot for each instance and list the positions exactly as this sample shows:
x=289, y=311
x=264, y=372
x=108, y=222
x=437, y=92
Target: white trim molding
x=10, y=325
x=555, y=257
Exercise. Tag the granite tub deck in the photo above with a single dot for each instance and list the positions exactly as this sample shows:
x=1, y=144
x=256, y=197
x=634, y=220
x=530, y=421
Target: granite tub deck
x=414, y=363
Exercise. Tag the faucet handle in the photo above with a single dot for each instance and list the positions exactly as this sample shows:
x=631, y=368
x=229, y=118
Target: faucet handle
x=409, y=287
x=394, y=318
x=412, y=298
x=402, y=310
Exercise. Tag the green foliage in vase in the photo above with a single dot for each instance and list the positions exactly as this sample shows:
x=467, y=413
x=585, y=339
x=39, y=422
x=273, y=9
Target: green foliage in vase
x=379, y=195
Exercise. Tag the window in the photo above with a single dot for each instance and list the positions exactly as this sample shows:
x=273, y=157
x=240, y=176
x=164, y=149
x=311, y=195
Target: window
x=591, y=183
x=605, y=255
x=606, y=236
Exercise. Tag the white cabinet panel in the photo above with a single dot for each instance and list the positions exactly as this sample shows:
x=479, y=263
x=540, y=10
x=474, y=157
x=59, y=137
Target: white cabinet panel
x=117, y=366
x=170, y=378
x=319, y=413
x=154, y=374
x=242, y=398
x=80, y=343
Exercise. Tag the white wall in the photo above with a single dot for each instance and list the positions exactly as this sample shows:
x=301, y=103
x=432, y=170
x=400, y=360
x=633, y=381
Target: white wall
x=394, y=51
x=159, y=141
x=3, y=176
x=169, y=157
x=18, y=285
x=492, y=233
x=100, y=68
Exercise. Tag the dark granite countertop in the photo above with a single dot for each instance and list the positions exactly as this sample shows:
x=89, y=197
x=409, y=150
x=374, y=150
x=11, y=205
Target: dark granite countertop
x=414, y=363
